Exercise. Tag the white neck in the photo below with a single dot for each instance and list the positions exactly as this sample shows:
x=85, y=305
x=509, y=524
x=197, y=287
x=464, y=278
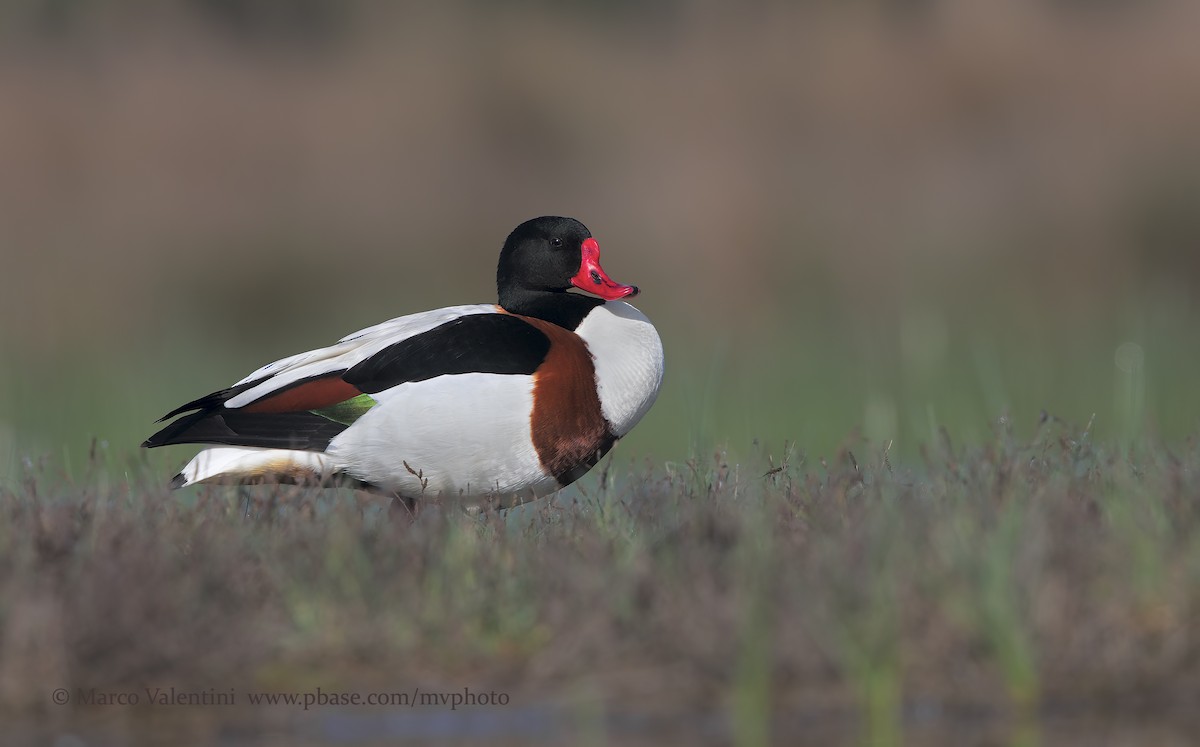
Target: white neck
x=629, y=362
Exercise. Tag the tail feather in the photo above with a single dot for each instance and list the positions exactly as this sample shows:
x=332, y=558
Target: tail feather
x=284, y=430
x=243, y=465
x=211, y=401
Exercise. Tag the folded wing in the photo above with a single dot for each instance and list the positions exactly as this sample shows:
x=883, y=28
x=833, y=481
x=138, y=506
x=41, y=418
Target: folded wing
x=304, y=401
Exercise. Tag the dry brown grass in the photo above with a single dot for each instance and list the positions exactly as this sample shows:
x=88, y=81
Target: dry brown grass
x=1045, y=578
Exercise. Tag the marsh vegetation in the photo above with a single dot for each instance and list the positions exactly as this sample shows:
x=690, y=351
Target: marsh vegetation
x=1002, y=585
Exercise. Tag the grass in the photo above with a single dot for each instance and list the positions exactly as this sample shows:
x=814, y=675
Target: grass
x=998, y=584
x=810, y=379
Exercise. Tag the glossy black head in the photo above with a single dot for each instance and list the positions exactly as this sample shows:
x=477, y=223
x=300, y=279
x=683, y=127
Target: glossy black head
x=544, y=257
x=542, y=254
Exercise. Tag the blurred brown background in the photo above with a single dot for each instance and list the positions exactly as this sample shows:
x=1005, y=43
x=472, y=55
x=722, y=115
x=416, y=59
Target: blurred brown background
x=890, y=214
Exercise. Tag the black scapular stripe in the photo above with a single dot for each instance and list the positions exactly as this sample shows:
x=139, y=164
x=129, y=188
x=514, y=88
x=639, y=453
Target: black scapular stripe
x=476, y=343
x=484, y=343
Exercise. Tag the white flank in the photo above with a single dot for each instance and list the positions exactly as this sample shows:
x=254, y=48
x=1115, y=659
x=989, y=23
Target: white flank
x=465, y=436
x=349, y=350
x=629, y=362
x=238, y=464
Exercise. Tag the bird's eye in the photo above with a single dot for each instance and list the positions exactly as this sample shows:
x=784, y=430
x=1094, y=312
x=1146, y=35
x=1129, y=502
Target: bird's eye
x=556, y=242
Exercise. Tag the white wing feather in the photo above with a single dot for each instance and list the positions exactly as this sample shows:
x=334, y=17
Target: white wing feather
x=348, y=351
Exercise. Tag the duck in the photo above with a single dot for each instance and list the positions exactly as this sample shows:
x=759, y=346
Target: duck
x=486, y=405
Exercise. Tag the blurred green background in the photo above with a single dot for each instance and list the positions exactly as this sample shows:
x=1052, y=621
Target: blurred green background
x=893, y=215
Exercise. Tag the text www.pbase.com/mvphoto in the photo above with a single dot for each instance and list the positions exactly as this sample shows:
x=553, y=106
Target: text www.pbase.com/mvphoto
x=172, y=696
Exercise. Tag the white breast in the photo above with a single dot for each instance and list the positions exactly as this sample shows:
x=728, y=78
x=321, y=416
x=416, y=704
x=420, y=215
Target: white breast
x=629, y=362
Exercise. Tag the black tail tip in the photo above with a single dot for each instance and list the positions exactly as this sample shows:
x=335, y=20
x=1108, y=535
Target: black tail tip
x=178, y=481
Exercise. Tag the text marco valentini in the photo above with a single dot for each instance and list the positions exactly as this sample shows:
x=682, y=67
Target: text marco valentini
x=156, y=696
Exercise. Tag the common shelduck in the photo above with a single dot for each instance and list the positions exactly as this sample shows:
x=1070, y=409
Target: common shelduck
x=488, y=404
